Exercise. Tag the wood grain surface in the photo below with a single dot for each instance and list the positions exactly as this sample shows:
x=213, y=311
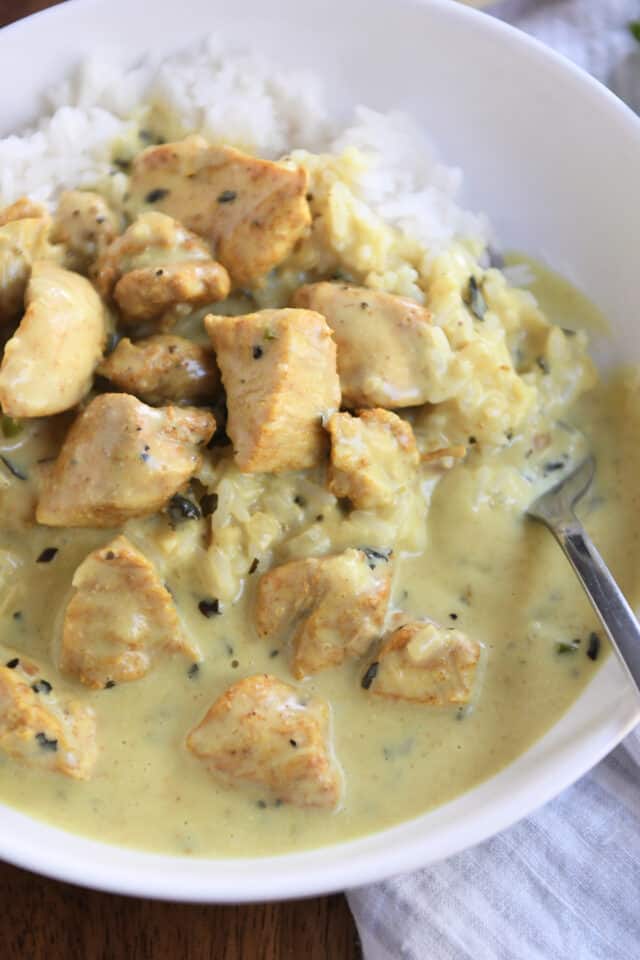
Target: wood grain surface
x=46, y=920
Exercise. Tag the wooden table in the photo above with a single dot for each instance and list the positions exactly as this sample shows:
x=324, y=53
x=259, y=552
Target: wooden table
x=46, y=920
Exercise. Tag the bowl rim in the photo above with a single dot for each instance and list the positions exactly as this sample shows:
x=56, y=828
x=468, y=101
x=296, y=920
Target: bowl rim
x=89, y=863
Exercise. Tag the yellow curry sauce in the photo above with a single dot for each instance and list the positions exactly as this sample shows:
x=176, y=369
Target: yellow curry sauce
x=464, y=556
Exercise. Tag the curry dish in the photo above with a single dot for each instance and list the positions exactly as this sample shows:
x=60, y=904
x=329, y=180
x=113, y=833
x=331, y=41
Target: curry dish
x=266, y=577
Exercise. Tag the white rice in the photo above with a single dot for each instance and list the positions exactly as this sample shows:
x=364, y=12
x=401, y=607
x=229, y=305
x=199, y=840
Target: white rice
x=244, y=100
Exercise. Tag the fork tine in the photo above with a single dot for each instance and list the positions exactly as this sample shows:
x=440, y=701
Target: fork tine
x=557, y=505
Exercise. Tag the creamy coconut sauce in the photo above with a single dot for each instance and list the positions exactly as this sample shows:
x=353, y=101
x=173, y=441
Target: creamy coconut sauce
x=470, y=560
x=501, y=578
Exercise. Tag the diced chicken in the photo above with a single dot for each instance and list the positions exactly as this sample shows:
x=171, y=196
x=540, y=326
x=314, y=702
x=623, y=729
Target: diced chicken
x=120, y=619
x=86, y=225
x=251, y=211
x=22, y=209
x=156, y=267
x=122, y=459
x=48, y=363
x=426, y=663
x=390, y=354
x=38, y=729
x=331, y=607
x=21, y=243
x=148, y=293
x=163, y=369
x=373, y=457
x=279, y=371
x=265, y=732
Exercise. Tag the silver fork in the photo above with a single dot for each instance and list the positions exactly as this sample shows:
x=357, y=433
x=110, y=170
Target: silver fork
x=556, y=509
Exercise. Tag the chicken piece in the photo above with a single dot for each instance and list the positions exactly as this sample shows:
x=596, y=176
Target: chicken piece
x=373, y=457
x=163, y=369
x=21, y=243
x=22, y=209
x=38, y=729
x=152, y=292
x=86, y=225
x=122, y=459
x=279, y=371
x=156, y=267
x=332, y=606
x=424, y=662
x=120, y=619
x=390, y=354
x=251, y=211
x=48, y=363
x=265, y=732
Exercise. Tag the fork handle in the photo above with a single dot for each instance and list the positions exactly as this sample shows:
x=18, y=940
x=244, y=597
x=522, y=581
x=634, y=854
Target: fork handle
x=607, y=599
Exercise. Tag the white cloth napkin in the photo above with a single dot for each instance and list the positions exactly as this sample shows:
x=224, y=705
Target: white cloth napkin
x=565, y=883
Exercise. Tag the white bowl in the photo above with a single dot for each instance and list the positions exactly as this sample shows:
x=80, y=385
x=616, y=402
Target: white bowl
x=553, y=158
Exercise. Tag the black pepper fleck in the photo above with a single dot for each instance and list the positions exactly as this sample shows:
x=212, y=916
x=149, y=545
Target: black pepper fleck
x=110, y=684
x=45, y=743
x=209, y=608
x=181, y=508
x=12, y=664
x=41, y=686
x=227, y=196
x=257, y=352
x=154, y=195
x=370, y=675
x=299, y=501
x=274, y=653
x=594, y=646
x=209, y=504
x=293, y=743
x=193, y=671
x=453, y=616
x=47, y=555
x=254, y=565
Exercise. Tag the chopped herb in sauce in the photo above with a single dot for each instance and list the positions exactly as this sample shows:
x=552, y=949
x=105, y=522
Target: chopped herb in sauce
x=227, y=196
x=10, y=426
x=47, y=555
x=154, y=195
x=563, y=647
x=274, y=653
x=13, y=469
x=12, y=664
x=209, y=504
x=193, y=671
x=270, y=335
x=593, y=648
x=181, y=508
x=41, y=686
x=235, y=664
x=262, y=804
x=553, y=466
x=376, y=555
x=254, y=565
x=634, y=29
x=257, y=352
x=370, y=675
x=209, y=608
x=45, y=743
x=474, y=298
